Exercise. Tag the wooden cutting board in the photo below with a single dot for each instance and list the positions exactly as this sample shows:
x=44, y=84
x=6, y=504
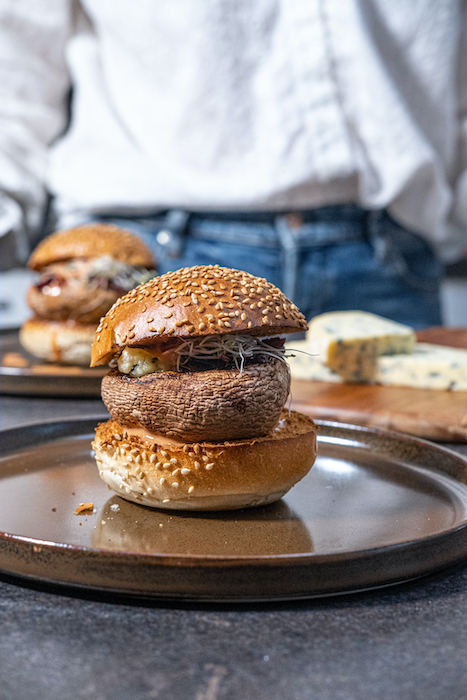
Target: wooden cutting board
x=432, y=414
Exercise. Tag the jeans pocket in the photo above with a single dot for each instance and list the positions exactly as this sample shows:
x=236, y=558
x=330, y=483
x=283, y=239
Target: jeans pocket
x=405, y=254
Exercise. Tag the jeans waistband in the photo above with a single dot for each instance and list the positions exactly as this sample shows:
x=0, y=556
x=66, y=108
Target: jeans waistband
x=296, y=217
x=289, y=231
x=321, y=226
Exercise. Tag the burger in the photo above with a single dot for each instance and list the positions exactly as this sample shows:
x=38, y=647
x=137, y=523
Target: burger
x=82, y=272
x=196, y=393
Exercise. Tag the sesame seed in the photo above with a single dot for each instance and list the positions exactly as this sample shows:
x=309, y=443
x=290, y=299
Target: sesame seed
x=158, y=465
x=175, y=471
x=164, y=453
x=197, y=465
x=117, y=436
x=184, y=471
x=209, y=466
x=175, y=484
x=168, y=314
x=162, y=481
x=191, y=489
x=165, y=500
x=150, y=320
x=167, y=465
x=174, y=460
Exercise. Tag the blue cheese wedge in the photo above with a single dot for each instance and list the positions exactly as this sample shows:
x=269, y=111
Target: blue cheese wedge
x=428, y=366
x=305, y=366
x=349, y=342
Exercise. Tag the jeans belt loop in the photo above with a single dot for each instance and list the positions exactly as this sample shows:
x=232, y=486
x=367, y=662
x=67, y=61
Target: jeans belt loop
x=171, y=235
x=285, y=226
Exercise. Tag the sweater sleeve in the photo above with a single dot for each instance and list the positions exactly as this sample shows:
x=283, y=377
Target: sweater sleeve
x=33, y=86
x=458, y=219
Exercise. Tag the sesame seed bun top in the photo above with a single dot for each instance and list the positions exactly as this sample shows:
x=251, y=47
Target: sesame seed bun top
x=194, y=302
x=91, y=241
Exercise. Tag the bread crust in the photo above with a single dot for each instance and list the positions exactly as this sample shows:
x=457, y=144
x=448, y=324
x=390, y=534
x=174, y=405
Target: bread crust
x=207, y=475
x=194, y=302
x=91, y=241
x=65, y=343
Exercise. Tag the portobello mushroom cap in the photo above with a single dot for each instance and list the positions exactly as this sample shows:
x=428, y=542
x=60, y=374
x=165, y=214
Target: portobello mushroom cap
x=191, y=303
x=214, y=405
x=79, y=303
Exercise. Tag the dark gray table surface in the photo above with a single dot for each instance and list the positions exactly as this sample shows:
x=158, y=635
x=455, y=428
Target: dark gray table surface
x=407, y=641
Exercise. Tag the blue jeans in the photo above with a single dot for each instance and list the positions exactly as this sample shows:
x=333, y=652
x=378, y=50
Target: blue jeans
x=327, y=259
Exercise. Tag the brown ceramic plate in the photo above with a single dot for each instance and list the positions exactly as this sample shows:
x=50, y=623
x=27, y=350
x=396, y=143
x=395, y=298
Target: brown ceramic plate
x=377, y=508
x=22, y=374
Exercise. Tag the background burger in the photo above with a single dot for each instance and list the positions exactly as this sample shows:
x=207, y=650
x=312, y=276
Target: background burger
x=82, y=272
x=197, y=393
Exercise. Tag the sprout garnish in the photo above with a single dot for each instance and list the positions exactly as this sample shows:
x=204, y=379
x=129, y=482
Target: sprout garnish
x=235, y=347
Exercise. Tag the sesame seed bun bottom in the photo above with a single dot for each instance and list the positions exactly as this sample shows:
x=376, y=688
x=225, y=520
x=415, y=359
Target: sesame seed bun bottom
x=206, y=476
x=61, y=342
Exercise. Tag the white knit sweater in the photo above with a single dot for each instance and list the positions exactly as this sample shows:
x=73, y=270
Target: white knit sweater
x=236, y=104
